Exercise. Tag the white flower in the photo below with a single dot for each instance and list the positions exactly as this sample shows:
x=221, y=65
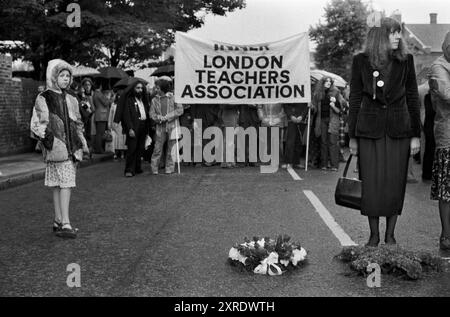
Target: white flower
x=261, y=243
x=271, y=260
x=235, y=255
x=284, y=262
x=298, y=256
x=261, y=269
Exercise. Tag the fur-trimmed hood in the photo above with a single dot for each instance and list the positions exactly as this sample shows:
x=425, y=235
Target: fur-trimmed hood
x=55, y=66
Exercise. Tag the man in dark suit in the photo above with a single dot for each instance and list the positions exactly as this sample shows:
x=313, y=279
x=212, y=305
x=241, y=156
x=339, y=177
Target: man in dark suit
x=248, y=117
x=209, y=114
x=296, y=113
x=136, y=124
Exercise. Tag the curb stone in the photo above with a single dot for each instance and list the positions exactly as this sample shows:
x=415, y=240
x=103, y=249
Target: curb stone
x=22, y=179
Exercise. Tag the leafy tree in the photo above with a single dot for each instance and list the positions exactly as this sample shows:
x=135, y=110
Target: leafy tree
x=115, y=32
x=341, y=36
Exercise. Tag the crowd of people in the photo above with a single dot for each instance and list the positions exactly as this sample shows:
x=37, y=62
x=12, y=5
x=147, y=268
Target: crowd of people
x=378, y=115
x=104, y=123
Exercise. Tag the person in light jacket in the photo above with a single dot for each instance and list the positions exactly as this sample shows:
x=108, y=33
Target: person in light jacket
x=272, y=115
x=165, y=112
x=440, y=95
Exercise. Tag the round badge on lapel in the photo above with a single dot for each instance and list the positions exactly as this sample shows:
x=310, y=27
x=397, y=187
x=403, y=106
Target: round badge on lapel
x=376, y=74
x=380, y=83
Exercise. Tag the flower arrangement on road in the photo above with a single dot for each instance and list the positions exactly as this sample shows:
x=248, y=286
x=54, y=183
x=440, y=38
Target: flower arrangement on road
x=392, y=260
x=268, y=256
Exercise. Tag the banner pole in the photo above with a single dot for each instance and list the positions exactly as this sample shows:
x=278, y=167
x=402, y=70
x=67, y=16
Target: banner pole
x=178, y=147
x=307, y=138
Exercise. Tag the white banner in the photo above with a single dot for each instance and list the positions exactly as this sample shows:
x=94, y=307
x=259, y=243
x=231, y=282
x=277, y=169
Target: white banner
x=208, y=72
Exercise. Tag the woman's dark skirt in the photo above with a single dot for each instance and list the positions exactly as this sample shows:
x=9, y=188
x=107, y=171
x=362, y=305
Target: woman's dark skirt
x=383, y=168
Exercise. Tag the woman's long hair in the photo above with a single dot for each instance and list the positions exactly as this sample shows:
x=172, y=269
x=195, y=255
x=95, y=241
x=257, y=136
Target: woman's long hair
x=378, y=46
x=319, y=90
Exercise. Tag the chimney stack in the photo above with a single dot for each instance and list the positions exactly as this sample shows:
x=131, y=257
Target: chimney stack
x=433, y=18
x=397, y=15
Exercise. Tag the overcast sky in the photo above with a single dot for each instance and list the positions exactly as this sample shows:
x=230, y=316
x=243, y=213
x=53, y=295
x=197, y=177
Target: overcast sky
x=270, y=20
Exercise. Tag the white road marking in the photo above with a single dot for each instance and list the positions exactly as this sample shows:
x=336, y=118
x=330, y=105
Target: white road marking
x=340, y=234
x=293, y=174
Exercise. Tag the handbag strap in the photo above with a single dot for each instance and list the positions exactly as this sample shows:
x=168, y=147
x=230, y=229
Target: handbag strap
x=347, y=165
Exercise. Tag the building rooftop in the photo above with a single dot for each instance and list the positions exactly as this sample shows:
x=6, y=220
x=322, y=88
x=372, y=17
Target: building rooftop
x=431, y=35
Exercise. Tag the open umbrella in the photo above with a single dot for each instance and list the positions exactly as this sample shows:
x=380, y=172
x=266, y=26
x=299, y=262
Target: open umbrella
x=111, y=72
x=125, y=82
x=317, y=74
x=81, y=71
x=166, y=70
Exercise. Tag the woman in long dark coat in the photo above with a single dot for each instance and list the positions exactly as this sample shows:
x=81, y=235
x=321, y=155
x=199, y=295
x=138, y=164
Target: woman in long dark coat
x=384, y=124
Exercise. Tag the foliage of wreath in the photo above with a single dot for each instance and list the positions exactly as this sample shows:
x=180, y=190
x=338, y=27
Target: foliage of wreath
x=267, y=256
x=392, y=260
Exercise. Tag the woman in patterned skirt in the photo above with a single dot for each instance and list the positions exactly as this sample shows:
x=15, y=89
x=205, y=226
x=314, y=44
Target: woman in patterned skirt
x=57, y=124
x=440, y=95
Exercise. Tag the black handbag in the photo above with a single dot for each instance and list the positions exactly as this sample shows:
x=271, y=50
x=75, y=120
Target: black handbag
x=348, y=190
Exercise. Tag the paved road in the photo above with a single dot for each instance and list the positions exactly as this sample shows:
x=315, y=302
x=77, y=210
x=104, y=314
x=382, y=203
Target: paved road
x=170, y=235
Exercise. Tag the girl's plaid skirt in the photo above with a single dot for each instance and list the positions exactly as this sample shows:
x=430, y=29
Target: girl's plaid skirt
x=440, y=186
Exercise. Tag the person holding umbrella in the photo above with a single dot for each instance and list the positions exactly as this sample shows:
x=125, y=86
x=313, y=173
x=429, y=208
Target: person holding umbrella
x=101, y=105
x=87, y=110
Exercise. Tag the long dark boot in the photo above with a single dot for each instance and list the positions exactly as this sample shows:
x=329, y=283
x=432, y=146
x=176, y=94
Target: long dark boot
x=374, y=238
x=390, y=228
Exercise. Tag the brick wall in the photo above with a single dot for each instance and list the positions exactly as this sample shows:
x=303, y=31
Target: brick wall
x=16, y=102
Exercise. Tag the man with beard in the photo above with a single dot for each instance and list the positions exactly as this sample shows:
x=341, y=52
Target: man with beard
x=136, y=123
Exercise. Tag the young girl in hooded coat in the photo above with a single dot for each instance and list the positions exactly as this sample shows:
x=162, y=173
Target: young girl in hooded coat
x=57, y=124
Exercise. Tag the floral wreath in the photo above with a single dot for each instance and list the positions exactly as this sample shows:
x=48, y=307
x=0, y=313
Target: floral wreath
x=267, y=256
